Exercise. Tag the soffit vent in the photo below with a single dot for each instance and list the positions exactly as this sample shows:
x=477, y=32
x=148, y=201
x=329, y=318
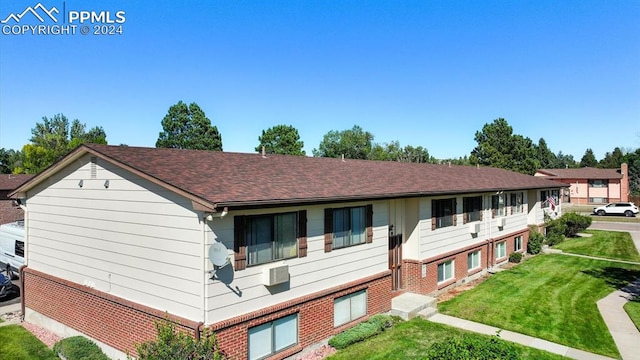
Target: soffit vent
x=94, y=161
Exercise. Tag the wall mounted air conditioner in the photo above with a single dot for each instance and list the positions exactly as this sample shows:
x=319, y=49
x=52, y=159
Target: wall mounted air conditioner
x=275, y=275
x=501, y=222
x=474, y=228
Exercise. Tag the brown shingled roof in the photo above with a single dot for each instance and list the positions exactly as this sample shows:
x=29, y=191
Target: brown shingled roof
x=239, y=179
x=582, y=173
x=13, y=181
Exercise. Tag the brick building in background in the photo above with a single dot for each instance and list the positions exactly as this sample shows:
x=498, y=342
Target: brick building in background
x=591, y=186
x=9, y=212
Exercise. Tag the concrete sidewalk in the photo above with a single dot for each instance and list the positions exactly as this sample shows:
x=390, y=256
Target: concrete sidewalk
x=622, y=329
x=517, y=338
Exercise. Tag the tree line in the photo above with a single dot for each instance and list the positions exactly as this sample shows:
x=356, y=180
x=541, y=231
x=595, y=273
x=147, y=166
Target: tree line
x=186, y=126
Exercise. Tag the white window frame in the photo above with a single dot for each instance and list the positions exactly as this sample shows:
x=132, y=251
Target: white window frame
x=501, y=249
x=281, y=243
x=355, y=304
x=354, y=227
x=473, y=260
x=275, y=339
x=518, y=206
x=498, y=204
x=446, y=271
x=517, y=243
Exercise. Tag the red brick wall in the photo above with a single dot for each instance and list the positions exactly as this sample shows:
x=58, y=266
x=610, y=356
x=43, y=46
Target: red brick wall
x=8, y=212
x=122, y=324
x=412, y=269
x=114, y=321
x=315, y=316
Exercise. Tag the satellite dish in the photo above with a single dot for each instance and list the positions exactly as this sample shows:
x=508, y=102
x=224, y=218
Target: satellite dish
x=218, y=254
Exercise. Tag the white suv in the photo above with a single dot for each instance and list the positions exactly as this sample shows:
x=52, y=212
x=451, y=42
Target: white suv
x=619, y=208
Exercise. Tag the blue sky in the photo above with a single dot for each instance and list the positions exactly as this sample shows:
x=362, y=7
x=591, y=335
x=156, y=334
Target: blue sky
x=426, y=73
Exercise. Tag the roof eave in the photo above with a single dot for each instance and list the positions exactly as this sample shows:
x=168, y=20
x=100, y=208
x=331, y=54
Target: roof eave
x=339, y=199
x=198, y=203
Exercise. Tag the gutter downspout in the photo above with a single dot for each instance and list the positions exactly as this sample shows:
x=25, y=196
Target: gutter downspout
x=26, y=262
x=203, y=272
x=205, y=289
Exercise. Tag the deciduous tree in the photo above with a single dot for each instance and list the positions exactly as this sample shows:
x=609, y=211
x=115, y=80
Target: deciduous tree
x=9, y=160
x=52, y=139
x=187, y=127
x=281, y=139
x=354, y=143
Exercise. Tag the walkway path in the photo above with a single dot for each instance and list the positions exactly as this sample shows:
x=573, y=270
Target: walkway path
x=622, y=329
x=624, y=332
x=517, y=338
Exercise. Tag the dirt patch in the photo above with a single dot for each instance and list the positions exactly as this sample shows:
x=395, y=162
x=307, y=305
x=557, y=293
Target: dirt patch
x=455, y=291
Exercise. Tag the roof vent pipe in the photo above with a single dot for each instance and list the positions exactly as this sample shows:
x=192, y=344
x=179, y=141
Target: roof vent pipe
x=264, y=154
x=343, y=157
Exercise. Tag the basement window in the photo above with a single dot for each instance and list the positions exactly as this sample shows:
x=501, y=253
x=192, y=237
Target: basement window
x=272, y=337
x=350, y=307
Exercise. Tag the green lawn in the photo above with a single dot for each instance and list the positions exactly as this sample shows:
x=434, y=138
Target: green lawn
x=633, y=309
x=552, y=297
x=17, y=343
x=411, y=339
x=606, y=244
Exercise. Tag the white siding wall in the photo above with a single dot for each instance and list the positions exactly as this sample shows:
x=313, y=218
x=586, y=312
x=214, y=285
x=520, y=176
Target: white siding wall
x=450, y=238
x=133, y=239
x=310, y=274
x=536, y=213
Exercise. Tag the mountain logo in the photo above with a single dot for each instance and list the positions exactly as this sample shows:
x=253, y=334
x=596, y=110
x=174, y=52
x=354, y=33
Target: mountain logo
x=34, y=11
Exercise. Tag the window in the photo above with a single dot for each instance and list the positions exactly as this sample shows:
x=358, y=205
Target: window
x=497, y=205
x=271, y=237
x=19, y=248
x=350, y=307
x=273, y=337
x=598, y=183
x=260, y=239
x=347, y=226
x=517, y=201
x=517, y=243
x=443, y=213
x=597, y=200
x=445, y=271
x=473, y=260
x=472, y=208
x=501, y=250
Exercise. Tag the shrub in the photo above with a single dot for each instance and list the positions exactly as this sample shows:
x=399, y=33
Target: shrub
x=554, y=238
x=173, y=344
x=375, y=325
x=568, y=225
x=555, y=229
x=534, y=246
x=575, y=223
x=472, y=347
x=515, y=257
x=78, y=348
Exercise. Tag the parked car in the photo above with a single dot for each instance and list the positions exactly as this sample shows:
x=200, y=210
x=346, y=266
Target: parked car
x=12, y=248
x=618, y=208
x=6, y=287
